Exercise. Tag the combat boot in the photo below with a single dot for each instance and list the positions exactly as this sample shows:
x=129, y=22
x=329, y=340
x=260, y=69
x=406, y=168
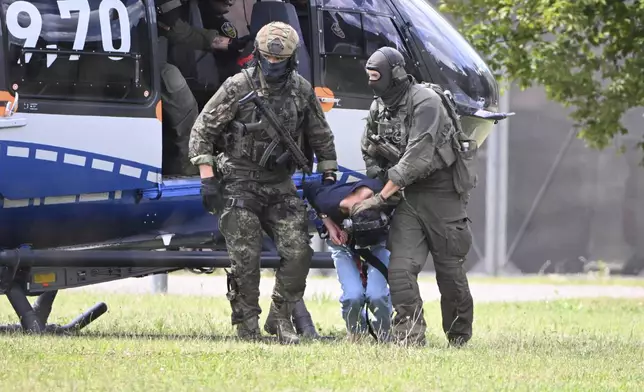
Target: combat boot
x=249, y=329
x=303, y=321
x=279, y=323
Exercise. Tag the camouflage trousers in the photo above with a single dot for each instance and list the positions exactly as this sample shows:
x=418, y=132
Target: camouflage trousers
x=427, y=223
x=277, y=210
x=180, y=111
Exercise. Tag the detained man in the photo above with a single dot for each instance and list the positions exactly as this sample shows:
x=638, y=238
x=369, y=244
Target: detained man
x=362, y=282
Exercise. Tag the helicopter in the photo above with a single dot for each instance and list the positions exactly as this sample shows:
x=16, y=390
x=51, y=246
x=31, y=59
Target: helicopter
x=84, y=197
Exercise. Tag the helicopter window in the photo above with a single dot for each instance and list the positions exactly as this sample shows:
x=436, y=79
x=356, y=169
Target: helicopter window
x=372, y=6
x=111, y=58
x=349, y=39
x=468, y=76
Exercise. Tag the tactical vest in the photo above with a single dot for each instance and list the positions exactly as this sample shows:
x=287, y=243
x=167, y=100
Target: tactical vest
x=253, y=144
x=453, y=149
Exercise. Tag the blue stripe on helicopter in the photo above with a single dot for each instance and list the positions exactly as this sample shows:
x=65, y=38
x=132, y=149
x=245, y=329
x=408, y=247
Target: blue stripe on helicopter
x=73, y=176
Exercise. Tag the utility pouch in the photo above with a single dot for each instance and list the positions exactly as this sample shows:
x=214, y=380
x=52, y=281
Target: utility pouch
x=465, y=166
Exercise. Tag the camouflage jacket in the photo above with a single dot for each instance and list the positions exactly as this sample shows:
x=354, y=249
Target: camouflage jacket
x=295, y=105
x=419, y=128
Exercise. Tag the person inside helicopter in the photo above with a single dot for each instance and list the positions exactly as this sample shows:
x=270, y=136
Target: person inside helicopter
x=212, y=14
x=358, y=251
x=189, y=76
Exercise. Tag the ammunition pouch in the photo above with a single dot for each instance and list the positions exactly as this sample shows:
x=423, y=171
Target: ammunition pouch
x=464, y=170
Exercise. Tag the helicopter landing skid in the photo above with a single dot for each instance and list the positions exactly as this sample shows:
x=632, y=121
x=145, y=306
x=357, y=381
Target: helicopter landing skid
x=33, y=319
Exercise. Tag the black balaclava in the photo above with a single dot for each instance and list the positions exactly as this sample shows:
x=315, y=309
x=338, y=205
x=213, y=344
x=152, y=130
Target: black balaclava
x=221, y=7
x=393, y=82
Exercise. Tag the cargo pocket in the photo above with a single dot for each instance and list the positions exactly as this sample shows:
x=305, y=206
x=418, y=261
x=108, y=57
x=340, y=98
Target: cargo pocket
x=465, y=167
x=458, y=238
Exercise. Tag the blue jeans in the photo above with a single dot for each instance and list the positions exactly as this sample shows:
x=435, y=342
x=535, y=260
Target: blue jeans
x=354, y=294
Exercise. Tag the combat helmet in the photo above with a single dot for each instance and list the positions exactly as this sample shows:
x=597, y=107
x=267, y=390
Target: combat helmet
x=279, y=40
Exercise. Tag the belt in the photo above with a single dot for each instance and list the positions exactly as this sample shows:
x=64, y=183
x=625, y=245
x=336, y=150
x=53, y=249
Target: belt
x=253, y=174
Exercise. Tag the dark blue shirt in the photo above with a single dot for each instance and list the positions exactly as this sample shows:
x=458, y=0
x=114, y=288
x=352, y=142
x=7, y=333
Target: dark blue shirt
x=326, y=198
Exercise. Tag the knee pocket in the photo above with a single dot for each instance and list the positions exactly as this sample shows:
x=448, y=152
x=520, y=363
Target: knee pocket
x=402, y=286
x=458, y=238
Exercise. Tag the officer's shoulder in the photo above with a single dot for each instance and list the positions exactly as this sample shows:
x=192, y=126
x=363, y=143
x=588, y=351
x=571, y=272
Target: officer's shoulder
x=422, y=93
x=302, y=84
x=234, y=83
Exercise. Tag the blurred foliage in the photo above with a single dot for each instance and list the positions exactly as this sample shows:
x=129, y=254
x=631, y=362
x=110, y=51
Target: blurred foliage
x=587, y=54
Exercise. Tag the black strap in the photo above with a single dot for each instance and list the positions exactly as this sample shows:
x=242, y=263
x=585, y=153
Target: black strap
x=249, y=204
x=367, y=256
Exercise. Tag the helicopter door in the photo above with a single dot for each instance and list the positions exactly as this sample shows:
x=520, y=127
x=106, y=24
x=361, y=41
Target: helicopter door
x=88, y=113
x=348, y=34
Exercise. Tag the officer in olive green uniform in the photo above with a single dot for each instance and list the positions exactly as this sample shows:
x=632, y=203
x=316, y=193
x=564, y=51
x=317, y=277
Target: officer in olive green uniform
x=435, y=177
x=241, y=175
x=180, y=108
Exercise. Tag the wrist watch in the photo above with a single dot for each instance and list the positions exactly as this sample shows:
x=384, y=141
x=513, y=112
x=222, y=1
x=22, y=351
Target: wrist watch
x=323, y=216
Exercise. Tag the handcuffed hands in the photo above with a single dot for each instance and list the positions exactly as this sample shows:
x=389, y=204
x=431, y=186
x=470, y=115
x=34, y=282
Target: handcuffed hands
x=373, y=202
x=336, y=234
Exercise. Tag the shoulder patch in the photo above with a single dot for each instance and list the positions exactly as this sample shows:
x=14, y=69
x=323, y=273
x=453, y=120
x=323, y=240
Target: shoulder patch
x=229, y=30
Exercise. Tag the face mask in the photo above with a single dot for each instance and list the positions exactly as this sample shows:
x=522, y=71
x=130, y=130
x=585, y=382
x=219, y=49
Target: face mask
x=273, y=71
x=379, y=86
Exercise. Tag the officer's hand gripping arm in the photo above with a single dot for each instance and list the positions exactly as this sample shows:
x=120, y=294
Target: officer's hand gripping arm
x=320, y=136
x=419, y=154
x=210, y=123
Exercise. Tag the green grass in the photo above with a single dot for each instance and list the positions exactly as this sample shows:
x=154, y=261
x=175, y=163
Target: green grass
x=559, y=279
x=180, y=343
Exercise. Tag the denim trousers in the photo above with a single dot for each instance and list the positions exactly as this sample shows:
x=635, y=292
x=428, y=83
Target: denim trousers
x=354, y=294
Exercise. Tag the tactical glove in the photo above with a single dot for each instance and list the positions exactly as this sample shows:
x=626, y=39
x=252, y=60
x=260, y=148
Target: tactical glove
x=239, y=43
x=212, y=194
x=374, y=201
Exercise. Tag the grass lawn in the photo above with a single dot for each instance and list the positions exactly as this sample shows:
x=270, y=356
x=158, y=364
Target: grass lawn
x=179, y=343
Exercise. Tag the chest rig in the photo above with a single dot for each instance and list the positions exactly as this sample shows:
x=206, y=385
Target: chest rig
x=248, y=138
x=393, y=127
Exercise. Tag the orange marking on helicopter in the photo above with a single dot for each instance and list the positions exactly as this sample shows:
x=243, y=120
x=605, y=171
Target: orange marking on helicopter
x=327, y=98
x=159, y=112
x=5, y=97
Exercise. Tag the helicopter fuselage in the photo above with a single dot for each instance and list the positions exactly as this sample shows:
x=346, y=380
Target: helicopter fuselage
x=81, y=137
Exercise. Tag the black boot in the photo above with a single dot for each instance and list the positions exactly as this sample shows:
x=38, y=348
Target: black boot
x=303, y=322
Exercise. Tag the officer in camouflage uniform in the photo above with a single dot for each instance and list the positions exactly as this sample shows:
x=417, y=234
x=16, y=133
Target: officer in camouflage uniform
x=179, y=105
x=431, y=217
x=254, y=194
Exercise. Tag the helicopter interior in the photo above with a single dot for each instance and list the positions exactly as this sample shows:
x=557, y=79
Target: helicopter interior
x=347, y=40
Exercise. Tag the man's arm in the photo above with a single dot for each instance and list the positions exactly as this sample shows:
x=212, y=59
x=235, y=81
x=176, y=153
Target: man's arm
x=212, y=120
x=319, y=133
x=196, y=38
x=419, y=154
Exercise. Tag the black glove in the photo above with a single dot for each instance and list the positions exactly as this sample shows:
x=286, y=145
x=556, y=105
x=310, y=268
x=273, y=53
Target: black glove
x=329, y=178
x=239, y=43
x=212, y=195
